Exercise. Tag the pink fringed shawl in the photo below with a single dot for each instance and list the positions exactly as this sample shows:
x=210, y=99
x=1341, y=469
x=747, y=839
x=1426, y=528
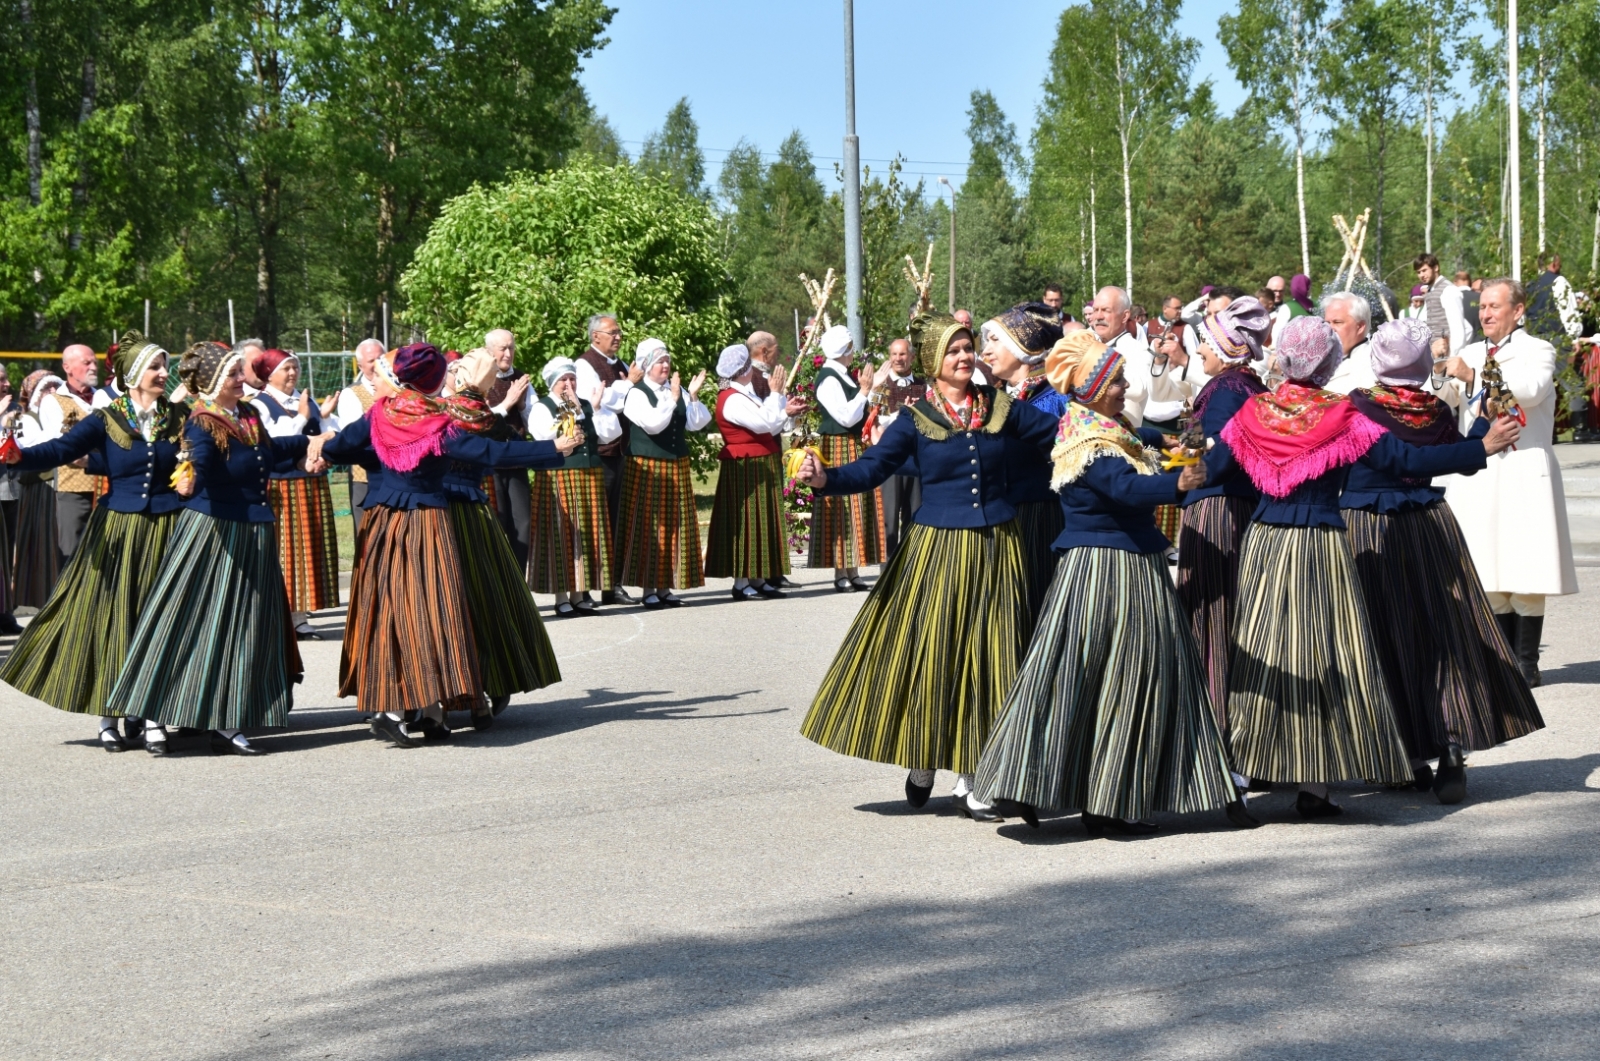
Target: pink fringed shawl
x=1296, y=433
x=406, y=429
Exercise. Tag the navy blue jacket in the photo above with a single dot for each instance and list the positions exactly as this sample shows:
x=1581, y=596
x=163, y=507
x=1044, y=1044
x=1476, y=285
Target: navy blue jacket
x=1377, y=490
x=424, y=486
x=1112, y=506
x=141, y=475
x=234, y=486
x=1030, y=478
x=1315, y=502
x=1224, y=477
x=966, y=475
x=277, y=411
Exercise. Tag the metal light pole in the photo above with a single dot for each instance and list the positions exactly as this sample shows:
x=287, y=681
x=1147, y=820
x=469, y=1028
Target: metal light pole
x=852, y=185
x=946, y=182
x=1515, y=157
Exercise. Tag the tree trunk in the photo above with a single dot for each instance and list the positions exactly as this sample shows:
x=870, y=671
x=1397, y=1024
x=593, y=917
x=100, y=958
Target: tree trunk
x=1300, y=198
x=1094, y=235
x=1540, y=70
x=1123, y=130
x=388, y=209
x=80, y=187
x=30, y=106
x=1427, y=224
x=264, y=322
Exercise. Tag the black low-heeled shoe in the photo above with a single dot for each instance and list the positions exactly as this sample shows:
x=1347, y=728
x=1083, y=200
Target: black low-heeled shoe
x=565, y=610
x=1012, y=808
x=585, y=607
x=221, y=745
x=859, y=586
x=965, y=808
x=386, y=728
x=842, y=585
x=1312, y=806
x=431, y=729
x=916, y=795
x=743, y=593
x=1102, y=825
x=1258, y=784
x=772, y=592
x=498, y=704
x=1422, y=778
x=1240, y=815
x=652, y=603
x=156, y=747
x=111, y=741
x=673, y=602
x=481, y=722
x=1450, y=780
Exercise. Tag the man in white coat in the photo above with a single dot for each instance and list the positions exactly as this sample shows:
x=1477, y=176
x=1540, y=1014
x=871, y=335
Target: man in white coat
x=1513, y=513
x=1350, y=316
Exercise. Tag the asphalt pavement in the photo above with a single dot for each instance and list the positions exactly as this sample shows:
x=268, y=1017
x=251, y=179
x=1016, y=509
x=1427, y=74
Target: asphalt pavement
x=648, y=861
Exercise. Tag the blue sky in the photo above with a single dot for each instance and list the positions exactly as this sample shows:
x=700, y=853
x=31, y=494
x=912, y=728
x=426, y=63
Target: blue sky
x=756, y=69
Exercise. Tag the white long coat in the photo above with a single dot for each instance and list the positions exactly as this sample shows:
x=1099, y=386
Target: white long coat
x=1514, y=512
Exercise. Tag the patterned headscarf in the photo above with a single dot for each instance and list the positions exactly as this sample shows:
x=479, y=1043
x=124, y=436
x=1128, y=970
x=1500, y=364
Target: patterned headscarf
x=1402, y=352
x=1082, y=366
x=1236, y=331
x=931, y=334
x=134, y=355
x=1309, y=350
x=1029, y=330
x=733, y=360
x=204, y=366
x=649, y=352
x=420, y=365
x=33, y=384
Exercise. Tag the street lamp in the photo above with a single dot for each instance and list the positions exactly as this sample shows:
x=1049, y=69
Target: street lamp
x=852, y=185
x=946, y=182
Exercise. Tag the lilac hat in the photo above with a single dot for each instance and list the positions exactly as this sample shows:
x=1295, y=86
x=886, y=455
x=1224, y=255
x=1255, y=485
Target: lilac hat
x=1402, y=352
x=1417, y=291
x=1309, y=350
x=1236, y=332
x=420, y=365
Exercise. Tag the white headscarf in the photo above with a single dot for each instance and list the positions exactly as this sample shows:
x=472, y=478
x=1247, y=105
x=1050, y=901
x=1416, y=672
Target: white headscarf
x=837, y=345
x=556, y=368
x=648, y=353
x=733, y=360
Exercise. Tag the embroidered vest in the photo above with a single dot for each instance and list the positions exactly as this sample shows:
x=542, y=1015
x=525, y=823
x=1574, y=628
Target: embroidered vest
x=367, y=397
x=276, y=412
x=588, y=454
x=827, y=425
x=72, y=480
x=497, y=394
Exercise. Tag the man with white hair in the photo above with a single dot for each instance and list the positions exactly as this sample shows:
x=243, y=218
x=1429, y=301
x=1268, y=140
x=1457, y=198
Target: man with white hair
x=1513, y=514
x=1350, y=316
x=846, y=530
x=354, y=401
x=1156, y=398
x=604, y=381
x=250, y=349
x=58, y=413
x=510, y=397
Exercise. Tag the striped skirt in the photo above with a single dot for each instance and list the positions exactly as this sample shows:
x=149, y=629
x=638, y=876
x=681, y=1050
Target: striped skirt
x=847, y=530
x=213, y=648
x=409, y=641
x=569, y=549
x=308, y=541
x=1169, y=521
x=658, y=530
x=36, y=557
x=748, y=537
x=1109, y=712
x=1208, y=581
x=1040, y=523
x=1451, y=675
x=1307, y=700
x=514, y=653
x=925, y=666
x=73, y=649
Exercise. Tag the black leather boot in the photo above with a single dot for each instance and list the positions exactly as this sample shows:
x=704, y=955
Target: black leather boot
x=1450, y=780
x=1530, y=628
x=1508, y=627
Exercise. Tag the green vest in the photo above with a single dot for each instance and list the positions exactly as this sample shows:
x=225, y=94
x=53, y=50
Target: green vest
x=673, y=441
x=827, y=425
x=588, y=454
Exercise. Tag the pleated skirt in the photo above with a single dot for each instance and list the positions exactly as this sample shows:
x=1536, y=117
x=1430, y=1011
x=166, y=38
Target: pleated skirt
x=748, y=537
x=847, y=530
x=308, y=541
x=1169, y=521
x=1450, y=673
x=1307, y=701
x=213, y=647
x=73, y=650
x=409, y=640
x=658, y=530
x=1040, y=523
x=37, y=556
x=925, y=666
x=570, y=544
x=514, y=653
x=1208, y=583
x=1109, y=713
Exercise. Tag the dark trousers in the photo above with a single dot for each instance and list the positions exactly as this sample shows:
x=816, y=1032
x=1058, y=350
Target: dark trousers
x=902, y=496
x=72, y=516
x=358, y=494
x=513, y=504
x=8, y=512
x=612, y=469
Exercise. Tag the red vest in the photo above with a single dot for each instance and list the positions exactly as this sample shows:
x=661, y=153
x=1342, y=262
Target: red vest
x=739, y=441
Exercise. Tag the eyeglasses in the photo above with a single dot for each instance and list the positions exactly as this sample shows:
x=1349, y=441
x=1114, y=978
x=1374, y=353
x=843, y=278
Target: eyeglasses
x=615, y=333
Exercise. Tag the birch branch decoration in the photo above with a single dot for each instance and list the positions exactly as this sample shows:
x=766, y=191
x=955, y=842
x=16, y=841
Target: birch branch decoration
x=922, y=281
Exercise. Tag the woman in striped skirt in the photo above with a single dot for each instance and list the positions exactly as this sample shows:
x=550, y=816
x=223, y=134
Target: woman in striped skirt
x=1109, y=712
x=926, y=664
x=410, y=646
x=570, y=545
x=1014, y=348
x=213, y=648
x=35, y=557
x=1307, y=700
x=302, y=505
x=749, y=541
x=658, y=529
x=514, y=653
x=1215, y=515
x=846, y=532
x=73, y=649
x=1452, y=675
